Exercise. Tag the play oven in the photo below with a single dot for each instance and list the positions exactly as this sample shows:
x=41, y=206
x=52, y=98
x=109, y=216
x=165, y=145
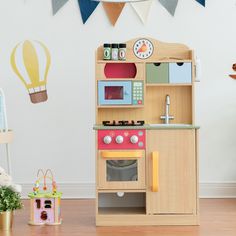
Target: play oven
x=121, y=159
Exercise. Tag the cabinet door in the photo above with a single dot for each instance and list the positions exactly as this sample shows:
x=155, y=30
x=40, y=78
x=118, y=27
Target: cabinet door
x=175, y=172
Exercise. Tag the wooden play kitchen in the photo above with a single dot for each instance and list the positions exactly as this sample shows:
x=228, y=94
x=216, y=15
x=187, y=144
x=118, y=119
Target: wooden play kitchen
x=146, y=137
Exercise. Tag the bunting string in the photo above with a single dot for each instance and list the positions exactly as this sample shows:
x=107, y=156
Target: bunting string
x=113, y=10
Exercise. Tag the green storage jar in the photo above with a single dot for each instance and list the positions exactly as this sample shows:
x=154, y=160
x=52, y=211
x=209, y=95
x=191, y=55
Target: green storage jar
x=107, y=51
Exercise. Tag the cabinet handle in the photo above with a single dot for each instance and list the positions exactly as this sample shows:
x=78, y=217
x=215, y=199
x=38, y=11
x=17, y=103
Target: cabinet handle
x=155, y=162
x=123, y=154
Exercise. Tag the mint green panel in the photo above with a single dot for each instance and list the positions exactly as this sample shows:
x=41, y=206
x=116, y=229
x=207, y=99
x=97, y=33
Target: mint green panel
x=157, y=73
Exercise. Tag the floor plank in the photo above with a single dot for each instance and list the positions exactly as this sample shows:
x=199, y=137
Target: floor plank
x=218, y=218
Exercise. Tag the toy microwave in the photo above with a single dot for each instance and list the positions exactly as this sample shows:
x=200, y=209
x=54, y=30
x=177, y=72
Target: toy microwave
x=120, y=93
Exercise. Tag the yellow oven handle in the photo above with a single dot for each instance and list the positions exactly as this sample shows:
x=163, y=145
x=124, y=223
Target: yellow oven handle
x=155, y=180
x=126, y=154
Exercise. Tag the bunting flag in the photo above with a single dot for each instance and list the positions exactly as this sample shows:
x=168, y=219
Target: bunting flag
x=57, y=5
x=202, y=2
x=170, y=5
x=87, y=7
x=113, y=10
x=142, y=9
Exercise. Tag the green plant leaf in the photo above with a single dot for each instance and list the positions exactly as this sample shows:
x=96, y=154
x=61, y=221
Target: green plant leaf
x=9, y=200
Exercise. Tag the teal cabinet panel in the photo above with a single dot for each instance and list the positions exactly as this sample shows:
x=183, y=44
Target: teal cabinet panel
x=157, y=73
x=180, y=73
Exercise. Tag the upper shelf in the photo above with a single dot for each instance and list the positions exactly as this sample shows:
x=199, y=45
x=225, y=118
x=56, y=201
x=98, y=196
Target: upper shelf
x=145, y=61
x=151, y=50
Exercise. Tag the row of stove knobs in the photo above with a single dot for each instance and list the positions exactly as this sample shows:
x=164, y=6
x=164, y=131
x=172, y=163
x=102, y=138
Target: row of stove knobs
x=119, y=139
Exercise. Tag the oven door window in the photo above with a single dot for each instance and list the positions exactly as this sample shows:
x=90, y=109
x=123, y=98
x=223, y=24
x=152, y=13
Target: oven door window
x=122, y=170
x=114, y=92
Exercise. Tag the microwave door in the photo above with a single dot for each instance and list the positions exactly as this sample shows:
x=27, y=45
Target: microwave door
x=114, y=93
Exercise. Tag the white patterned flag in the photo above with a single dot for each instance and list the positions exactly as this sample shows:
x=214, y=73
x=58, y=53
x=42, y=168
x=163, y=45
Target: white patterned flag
x=142, y=9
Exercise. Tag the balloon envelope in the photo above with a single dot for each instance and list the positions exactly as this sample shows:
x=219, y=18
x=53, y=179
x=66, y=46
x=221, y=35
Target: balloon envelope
x=31, y=60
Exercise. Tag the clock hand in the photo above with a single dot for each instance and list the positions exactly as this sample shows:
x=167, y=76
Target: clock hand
x=143, y=48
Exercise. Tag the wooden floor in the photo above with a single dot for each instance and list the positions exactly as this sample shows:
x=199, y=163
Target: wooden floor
x=218, y=217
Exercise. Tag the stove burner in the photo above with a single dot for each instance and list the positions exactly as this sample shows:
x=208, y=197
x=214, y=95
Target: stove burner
x=124, y=123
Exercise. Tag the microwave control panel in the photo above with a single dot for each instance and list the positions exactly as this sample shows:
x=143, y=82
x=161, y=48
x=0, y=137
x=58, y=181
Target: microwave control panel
x=137, y=93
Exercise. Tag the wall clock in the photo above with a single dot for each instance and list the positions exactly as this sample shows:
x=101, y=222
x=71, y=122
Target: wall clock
x=143, y=48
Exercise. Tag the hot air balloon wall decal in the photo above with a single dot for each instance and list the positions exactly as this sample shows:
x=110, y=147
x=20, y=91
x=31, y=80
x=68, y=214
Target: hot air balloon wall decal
x=30, y=61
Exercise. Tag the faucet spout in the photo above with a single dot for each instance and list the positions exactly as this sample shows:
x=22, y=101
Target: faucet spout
x=167, y=99
x=167, y=117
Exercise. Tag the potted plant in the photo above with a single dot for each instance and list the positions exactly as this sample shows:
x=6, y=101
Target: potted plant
x=9, y=201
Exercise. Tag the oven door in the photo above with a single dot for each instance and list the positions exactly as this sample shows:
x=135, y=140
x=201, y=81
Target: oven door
x=121, y=169
x=114, y=92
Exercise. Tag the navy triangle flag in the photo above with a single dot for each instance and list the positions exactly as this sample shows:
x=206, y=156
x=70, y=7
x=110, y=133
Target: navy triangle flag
x=86, y=8
x=202, y=2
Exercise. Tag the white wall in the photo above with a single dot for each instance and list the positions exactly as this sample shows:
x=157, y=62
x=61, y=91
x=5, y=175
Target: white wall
x=58, y=134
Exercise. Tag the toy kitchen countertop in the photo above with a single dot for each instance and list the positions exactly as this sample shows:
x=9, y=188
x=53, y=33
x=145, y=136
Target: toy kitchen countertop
x=148, y=127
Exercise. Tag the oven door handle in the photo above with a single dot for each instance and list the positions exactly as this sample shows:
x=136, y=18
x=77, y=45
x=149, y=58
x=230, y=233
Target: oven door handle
x=155, y=167
x=124, y=155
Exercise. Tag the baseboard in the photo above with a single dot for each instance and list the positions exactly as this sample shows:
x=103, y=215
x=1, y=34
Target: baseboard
x=87, y=190
x=217, y=190
x=69, y=190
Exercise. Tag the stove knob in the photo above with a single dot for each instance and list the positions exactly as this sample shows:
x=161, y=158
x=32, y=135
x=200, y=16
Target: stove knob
x=134, y=139
x=107, y=139
x=119, y=139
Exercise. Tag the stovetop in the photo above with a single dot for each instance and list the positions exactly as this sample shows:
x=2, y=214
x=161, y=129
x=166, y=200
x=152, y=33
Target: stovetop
x=124, y=123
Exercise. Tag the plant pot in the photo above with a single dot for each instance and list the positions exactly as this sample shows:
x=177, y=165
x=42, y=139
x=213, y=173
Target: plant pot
x=6, y=220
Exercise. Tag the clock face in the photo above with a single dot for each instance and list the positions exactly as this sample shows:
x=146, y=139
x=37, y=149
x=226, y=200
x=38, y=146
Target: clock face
x=143, y=48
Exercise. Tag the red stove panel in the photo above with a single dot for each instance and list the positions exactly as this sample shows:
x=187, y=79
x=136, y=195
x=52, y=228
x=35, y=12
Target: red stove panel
x=121, y=139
